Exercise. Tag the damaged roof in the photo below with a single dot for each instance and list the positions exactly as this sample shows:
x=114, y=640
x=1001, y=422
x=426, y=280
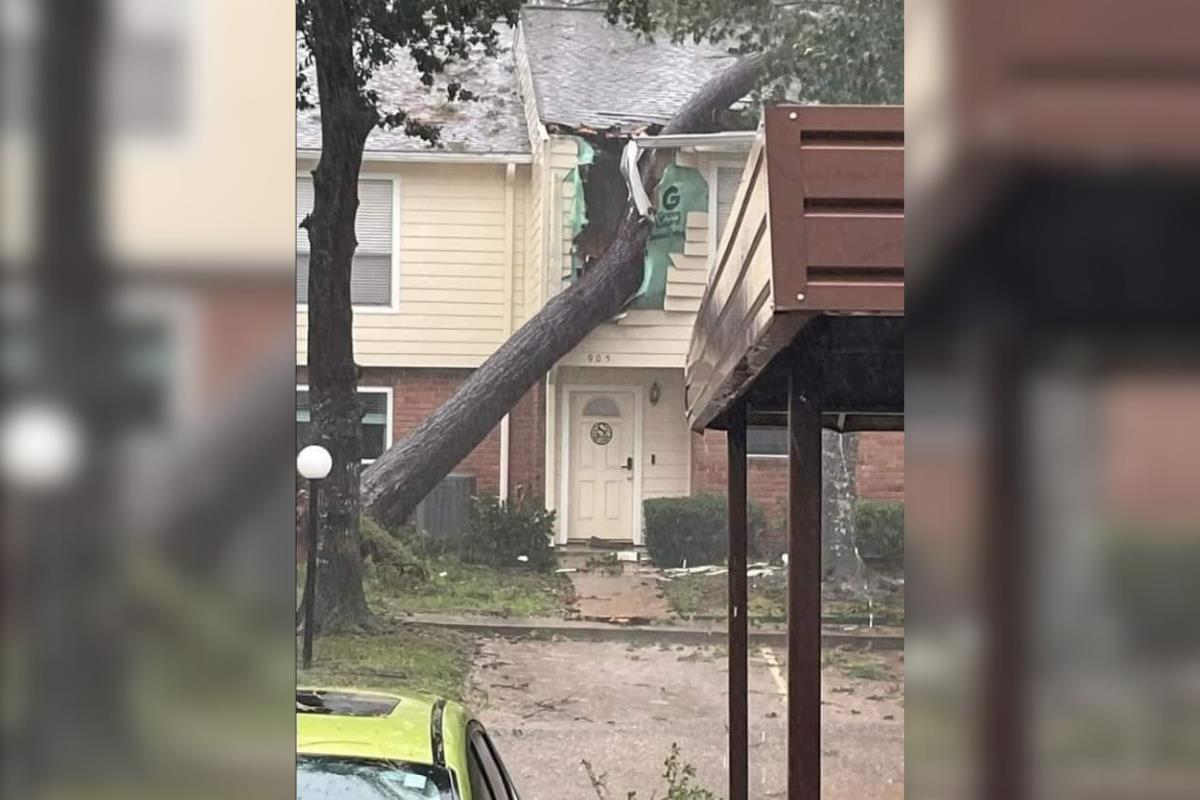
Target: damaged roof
x=495, y=123
x=587, y=73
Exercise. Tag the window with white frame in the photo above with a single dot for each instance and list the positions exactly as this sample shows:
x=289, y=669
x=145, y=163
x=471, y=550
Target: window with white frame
x=766, y=441
x=376, y=426
x=727, y=180
x=371, y=273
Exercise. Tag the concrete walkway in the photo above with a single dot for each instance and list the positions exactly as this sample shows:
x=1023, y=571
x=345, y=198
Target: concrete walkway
x=634, y=597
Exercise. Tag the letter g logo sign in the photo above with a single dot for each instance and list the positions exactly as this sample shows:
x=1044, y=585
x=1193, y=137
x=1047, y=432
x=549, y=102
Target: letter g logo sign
x=671, y=198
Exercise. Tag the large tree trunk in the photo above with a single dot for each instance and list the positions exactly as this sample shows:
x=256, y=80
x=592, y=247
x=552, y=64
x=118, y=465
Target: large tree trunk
x=839, y=457
x=332, y=374
x=398, y=480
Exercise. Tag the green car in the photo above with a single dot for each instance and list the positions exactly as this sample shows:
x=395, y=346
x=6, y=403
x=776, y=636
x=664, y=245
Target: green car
x=356, y=743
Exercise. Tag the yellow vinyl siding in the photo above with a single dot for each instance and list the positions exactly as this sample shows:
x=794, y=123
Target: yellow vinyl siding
x=452, y=268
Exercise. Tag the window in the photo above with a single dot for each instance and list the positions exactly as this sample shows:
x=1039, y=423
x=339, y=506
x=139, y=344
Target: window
x=601, y=407
x=766, y=441
x=488, y=776
x=372, y=273
x=376, y=421
x=331, y=776
x=728, y=179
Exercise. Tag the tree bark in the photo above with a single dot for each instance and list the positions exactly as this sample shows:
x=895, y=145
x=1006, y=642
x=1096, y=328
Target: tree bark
x=346, y=119
x=398, y=480
x=839, y=456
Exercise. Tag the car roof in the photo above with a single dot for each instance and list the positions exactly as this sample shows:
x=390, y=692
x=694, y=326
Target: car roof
x=365, y=723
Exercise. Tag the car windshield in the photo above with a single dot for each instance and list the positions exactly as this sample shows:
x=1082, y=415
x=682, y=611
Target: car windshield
x=326, y=778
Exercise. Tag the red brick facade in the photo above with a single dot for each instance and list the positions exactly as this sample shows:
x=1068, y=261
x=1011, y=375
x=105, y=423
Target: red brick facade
x=880, y=473
x=417, y=393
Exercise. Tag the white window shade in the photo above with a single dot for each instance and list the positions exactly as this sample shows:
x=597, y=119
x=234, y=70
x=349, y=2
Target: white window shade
x=728, y=179
x=371, y=272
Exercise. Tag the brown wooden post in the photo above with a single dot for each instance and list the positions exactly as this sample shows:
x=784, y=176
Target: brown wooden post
x=804, y=588
x=1005, y=590
x=739, y=728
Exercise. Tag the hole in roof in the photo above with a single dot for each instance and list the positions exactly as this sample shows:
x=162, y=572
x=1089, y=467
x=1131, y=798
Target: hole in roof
x=601, y=407
x=345, y=704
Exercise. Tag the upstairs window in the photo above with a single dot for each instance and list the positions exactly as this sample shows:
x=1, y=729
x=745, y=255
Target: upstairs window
x=372, y=273
x=766, y=441
x=728, y=179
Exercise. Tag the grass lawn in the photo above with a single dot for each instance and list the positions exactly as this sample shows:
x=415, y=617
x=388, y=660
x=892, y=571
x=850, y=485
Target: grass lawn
x=707, y=596
x=408, y=659
x=454, y=588
x=856, y=664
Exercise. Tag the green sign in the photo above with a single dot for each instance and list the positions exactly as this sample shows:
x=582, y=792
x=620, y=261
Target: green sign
x=681, y=191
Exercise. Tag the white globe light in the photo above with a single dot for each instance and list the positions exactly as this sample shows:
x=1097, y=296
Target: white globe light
x=41, y=446
x=314, y=462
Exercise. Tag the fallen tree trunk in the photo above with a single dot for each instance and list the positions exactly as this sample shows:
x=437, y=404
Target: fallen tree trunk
x=400, y=478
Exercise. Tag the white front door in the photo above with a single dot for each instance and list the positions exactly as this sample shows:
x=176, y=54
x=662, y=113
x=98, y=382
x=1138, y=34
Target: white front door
x=602, y=466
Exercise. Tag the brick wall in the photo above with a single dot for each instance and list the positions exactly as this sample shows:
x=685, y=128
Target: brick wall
x=527, y=444
x=417, y=392
x=880, y=473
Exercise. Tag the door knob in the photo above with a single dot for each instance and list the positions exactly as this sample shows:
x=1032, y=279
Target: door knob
x=628, y=464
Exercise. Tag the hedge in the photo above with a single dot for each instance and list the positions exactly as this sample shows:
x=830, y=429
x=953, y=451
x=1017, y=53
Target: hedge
x=692, y=530
x=879, y=527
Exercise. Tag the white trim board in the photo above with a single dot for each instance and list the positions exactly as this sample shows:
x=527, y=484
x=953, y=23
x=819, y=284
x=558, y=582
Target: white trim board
x=564, y=422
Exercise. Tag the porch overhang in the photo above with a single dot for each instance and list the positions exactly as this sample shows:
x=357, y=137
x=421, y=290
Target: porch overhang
x=810, y=267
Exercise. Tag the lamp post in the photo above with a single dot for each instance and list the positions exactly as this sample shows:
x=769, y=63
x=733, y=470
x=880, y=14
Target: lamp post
x=313, y=463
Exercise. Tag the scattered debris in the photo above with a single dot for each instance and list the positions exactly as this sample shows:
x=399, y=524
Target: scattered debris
x=548, y=705
x=566, y=570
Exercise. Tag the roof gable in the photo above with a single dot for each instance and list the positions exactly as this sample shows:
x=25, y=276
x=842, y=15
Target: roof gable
x=587, y=73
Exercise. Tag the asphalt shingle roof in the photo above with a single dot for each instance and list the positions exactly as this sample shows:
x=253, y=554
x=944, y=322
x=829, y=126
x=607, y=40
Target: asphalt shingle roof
x=589, y=73
x=493, y=124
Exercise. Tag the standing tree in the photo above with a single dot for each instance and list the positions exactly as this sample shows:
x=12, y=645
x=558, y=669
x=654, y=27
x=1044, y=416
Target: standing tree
x=825, y=50
x=346, y=42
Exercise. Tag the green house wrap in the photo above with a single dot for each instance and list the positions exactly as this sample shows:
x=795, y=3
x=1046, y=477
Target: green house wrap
x=681, y=191
x=577, y=214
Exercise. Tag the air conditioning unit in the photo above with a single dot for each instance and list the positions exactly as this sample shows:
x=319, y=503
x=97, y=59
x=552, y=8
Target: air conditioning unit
x=444, y=511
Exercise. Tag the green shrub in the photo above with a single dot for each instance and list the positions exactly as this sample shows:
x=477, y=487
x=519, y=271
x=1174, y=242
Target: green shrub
x=387, y=557
x=692, y=529
x=498, y=533
x=381, y=547
x=879, y=526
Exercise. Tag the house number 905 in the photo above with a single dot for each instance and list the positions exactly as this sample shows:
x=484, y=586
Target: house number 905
x=599, y=358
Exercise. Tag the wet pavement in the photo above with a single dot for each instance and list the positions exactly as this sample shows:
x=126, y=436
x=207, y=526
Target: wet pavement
x=552, y=704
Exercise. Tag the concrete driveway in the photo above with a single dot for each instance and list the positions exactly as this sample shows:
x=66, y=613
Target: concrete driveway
x=551, y=704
